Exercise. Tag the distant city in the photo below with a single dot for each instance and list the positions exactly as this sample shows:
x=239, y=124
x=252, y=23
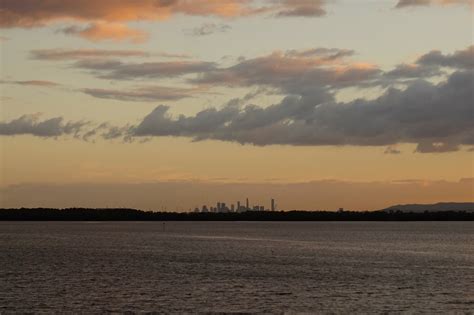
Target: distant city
x=222, y=207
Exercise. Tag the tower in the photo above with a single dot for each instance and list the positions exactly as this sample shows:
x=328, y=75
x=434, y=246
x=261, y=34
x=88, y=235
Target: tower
x=247, y=204
x=273, y=205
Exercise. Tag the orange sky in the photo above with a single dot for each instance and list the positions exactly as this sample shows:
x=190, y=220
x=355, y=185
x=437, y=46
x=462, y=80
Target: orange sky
x=177, y=103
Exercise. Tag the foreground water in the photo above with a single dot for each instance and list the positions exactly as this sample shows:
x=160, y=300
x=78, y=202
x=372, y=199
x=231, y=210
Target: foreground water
x=237, y=267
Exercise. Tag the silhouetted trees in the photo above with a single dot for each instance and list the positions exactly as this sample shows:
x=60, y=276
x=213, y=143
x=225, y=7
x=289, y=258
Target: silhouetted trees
x=81, y=214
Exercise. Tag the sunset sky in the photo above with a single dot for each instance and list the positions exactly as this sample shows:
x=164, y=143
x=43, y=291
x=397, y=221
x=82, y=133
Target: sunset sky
x=172, y=104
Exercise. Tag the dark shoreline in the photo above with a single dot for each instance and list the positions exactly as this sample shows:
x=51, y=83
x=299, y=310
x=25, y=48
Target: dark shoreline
x=82, y=214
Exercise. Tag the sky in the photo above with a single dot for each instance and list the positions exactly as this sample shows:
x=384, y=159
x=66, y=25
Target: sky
x=172, y=104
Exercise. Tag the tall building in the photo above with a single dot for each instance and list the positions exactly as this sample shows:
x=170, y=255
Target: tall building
x=247, y=204
x=273, y=205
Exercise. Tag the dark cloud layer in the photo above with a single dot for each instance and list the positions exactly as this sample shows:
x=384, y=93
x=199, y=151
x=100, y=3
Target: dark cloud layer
x=438, y=118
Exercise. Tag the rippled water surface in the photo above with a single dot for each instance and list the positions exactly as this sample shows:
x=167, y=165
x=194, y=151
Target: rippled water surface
x=237, y=267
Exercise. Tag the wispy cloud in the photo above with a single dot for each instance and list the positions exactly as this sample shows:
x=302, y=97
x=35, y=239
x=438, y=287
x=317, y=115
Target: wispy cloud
x=421, y=3
x=77, y=54
x=143, y=94
x=107, y=31
x=40, y=83
x=208, y=29
x=106, y=19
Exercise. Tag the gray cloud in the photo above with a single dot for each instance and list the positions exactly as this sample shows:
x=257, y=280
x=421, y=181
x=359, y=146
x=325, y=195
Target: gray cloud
x=413, y=71
x=301, y=8
x=142, y=94
x=437, y=117
x=323, y=53
x=76, y=54
x=112, y=69
x=420, y=3
x=461, y=59
x=31, y=125
x=40, y=83
x=208, y=29
x=73, y=54
x=293, y=72
x=429, y=65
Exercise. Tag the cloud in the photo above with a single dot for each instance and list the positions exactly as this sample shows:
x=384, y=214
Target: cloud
x=40, y=83
x=437, y=117
x=73, y=54
x=301, y=8
x=107, y=31
x=430, y=65
x=208, y=29
x=293, y=72
x=112, y=69
x=30, y=13
x=411, y=3
x=461, y=59
x=107, y=19
x=392, y=150
x=77, y=54
x=32, y=125
x=412, y=71
x=142, y=94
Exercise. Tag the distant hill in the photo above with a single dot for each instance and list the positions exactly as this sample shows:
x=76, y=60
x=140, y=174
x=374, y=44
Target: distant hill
x=442, y=206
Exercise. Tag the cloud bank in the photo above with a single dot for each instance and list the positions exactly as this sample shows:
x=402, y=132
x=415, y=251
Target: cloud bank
x=436, y=117
x=439, y=118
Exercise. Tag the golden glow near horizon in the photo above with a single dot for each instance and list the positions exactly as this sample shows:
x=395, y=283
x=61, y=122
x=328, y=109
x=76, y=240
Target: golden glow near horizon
x=151, y=103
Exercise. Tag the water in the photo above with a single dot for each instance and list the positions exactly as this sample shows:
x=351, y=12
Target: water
x=252, y=267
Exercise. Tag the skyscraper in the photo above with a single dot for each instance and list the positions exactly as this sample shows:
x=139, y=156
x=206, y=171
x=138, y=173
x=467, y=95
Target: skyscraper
x=247, y=204
x=273, y=205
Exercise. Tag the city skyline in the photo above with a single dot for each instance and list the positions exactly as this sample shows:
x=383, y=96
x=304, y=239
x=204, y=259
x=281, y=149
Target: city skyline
x=317, y=104
x=222, y=207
